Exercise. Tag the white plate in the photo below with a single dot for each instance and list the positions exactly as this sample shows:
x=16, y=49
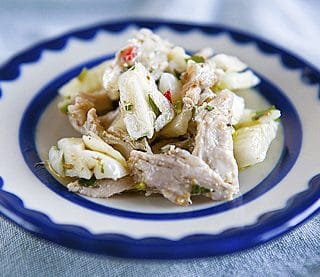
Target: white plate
x=275, y=195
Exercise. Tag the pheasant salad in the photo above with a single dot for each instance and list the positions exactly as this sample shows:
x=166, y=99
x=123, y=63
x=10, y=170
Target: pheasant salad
x=158, y=120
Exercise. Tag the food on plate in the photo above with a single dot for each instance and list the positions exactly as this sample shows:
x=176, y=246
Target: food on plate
x=160, y=121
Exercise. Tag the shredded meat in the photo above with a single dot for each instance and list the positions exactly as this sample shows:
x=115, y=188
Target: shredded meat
x=174, y=173
x=213, y=142
x=107, y=119
x=122, y=142
x=198, y=77
x=103, y=188
x=83, y=117
x=99, y=98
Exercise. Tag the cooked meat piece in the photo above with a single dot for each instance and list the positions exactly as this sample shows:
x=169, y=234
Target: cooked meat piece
x=108, y=118
x=78, y=112
x=122, y=142
x=181, y=142
x=213, y=141
x=85, y=120
x=175, y=172
x=83, y=117
x=103, y=188
x=92, y=124
x=101, y=101
x=198, y=77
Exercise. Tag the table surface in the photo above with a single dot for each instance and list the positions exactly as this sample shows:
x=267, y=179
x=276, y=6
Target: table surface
x=292, y=24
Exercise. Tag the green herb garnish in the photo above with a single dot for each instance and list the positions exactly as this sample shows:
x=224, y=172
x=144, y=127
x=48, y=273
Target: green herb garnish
x=209, y=108
x=177, y=74
x=218, y=87
x=86, y=182
x=196, y=58
x=140, y=186
x=178, y=107
x=64, y=108
x=255, y=118
x=128, y=107
x=63, y=105
x=197, y=190
x=153, y=106
x=82, y=74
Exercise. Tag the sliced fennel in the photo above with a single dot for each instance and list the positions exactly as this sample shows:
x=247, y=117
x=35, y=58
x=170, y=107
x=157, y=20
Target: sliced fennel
x=178, y=126
x=252, y=138
x=169, y=82
x=239, y=80
x=87, y=157
x=95, y=143
x=252, y=143
x=177, y=60
x=237, y=108
x=228, y=63
x=250, y=117
x=138, y=91
x=88, y=81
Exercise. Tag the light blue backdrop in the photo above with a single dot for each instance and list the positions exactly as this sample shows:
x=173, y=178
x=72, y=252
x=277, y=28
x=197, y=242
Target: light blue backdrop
x=292, y=24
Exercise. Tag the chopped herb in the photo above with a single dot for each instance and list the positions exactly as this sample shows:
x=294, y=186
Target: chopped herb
x=178, y=107
x=259, y=114
x=128, y=68
x=140, y=186
x=196, y=58
x=218, y=87
x=82, y=74
x=197, y=190
x=177, y=74
x=277, y=120
x=209, y=108
x=86, y=182
x=64, y=108
x=128, y=107
x=153, y=106
x=101, y=168
x=63, y=105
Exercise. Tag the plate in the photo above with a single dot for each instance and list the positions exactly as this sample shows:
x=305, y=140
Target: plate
x=276, y=195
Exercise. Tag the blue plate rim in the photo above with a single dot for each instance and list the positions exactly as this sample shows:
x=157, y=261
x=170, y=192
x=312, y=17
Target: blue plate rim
x=269, y=225
x=290, y=153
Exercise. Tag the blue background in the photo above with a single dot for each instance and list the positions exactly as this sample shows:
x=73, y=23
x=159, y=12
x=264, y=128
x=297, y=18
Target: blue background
x=293, y=24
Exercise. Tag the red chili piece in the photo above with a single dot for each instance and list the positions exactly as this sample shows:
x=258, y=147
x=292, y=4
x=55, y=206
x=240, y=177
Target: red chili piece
x=128, y=54
x=167, y=95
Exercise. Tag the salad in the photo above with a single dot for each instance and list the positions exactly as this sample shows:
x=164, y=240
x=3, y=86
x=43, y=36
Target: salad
x=160, y=121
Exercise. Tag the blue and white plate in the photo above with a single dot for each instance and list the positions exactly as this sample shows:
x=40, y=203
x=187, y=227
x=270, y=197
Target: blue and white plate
x=276, y=195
